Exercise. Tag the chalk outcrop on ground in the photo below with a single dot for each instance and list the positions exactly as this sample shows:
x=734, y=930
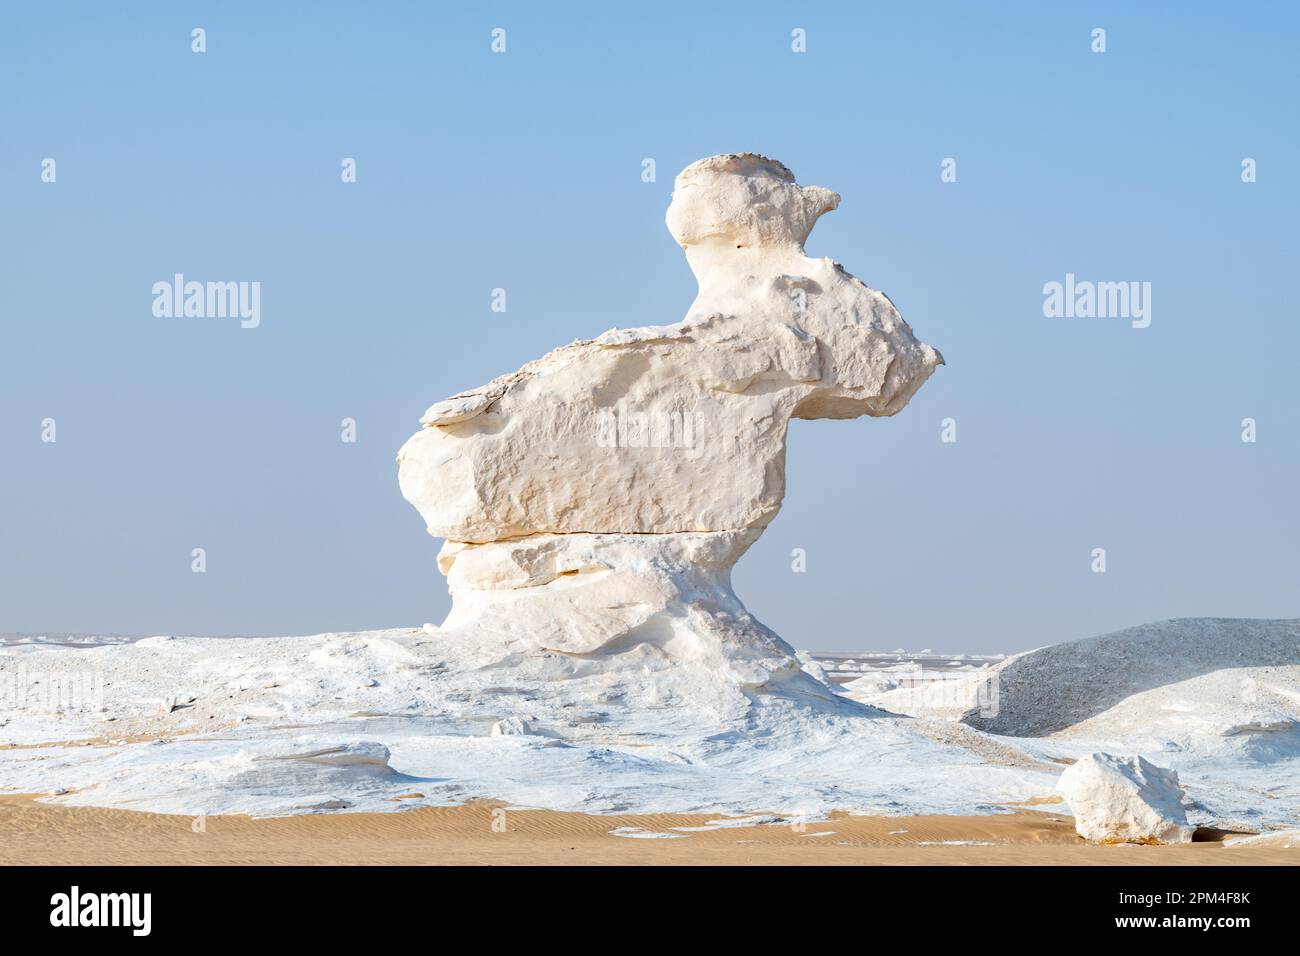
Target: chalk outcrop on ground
x=1125, y=800
x=1212, y=674
x=600, y=495
x=1058, y=687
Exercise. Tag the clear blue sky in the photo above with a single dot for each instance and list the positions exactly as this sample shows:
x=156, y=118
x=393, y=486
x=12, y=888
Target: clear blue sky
x=522, y=171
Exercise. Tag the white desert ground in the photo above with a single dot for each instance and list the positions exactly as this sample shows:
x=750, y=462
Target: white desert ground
x=395, y=747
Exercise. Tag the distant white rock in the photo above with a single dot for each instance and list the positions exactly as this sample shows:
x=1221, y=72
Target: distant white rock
x=869, y=685
x=510, y=727
x=1125, y=800
x=814, y=669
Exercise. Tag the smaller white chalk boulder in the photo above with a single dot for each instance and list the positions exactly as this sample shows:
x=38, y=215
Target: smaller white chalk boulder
x=1125, y=800
x=510, y=727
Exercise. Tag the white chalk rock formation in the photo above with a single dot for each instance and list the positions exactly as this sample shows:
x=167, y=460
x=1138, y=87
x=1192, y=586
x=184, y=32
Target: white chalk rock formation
x=1125, y=800
x=603, y=492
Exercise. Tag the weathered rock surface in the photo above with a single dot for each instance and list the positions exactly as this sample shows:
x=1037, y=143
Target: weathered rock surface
x=1125, y=800
x=1138, y=675
x=607, y=488
x=586, y=593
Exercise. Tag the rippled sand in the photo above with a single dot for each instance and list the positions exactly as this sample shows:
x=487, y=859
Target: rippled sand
x=36, y=833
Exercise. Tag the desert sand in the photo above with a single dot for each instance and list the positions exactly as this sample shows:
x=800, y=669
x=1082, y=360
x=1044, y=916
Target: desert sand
x=35, y=833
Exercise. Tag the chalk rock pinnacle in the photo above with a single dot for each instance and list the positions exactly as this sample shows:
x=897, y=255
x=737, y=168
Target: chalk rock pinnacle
x=602, y=492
